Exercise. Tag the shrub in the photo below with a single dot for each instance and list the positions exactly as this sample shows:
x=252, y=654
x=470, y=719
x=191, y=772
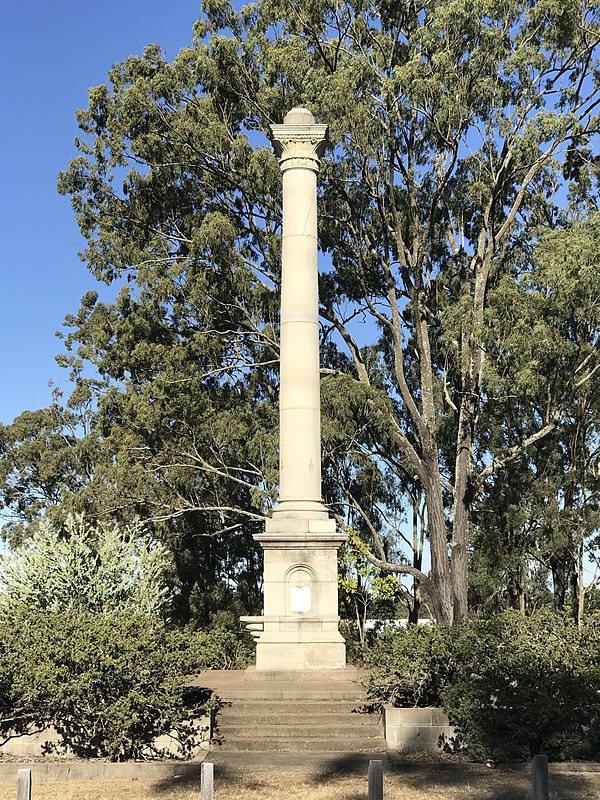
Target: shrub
x=356, y=650
x=220, y=649
x=413, y=665
x=513, y=685
x=109, y=683
x=76, y=566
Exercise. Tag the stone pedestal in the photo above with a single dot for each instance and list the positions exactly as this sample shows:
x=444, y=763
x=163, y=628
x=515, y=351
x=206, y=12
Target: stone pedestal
x=299, y=627
x=300, y=621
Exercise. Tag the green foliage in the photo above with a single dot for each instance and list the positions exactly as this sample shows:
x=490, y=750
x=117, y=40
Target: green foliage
x=447, y=128
x=220, y=649
x=76, y=567
x=359, y=576
x=459, y=131
x=413, y=664
x=513, y=685
x=365, y=591
x=544, y=333
x=110, y=683
x=355, y=643
x=44, y=458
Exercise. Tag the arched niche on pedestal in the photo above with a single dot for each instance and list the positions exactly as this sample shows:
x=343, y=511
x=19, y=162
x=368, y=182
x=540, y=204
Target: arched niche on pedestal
x=300, y=586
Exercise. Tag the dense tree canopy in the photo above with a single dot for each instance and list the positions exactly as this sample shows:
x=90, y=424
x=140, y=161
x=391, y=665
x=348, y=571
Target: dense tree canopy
x=459, y=288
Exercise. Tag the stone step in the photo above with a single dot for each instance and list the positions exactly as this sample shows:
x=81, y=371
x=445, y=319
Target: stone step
x=281, y=709
x=289, y=692
x=349, y=674
x=307, y=685
x=298, y=720
x=338, y=721
x=223, y=683
x=375, y=744
x=292, y=712
x=258, y=734
x=230, y=763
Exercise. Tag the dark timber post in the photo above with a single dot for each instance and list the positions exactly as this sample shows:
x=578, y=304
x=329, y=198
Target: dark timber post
x=375, y=780
x=540, y=789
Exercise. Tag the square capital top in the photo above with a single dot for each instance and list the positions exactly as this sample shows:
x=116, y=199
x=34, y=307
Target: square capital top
x=299, y=141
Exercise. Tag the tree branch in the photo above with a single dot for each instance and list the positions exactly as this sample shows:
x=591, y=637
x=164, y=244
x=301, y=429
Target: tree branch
x=513, y=453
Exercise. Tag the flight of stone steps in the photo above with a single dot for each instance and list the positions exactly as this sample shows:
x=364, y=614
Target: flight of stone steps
x=318, y=712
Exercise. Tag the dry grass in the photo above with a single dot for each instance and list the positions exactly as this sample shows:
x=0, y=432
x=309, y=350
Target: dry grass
x=409, y=784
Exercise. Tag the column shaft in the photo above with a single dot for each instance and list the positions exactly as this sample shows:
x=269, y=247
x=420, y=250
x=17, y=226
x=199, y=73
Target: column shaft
x=299, y=398
x=298, y=629
x=298, y=143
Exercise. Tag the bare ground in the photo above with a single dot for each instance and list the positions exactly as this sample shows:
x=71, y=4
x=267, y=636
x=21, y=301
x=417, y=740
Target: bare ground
x=405, y=782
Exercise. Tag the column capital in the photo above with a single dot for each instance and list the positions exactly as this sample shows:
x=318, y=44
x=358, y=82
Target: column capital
x=299, y=142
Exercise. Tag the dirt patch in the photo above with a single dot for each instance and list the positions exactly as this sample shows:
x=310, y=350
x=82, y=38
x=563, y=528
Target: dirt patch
x=410, y=782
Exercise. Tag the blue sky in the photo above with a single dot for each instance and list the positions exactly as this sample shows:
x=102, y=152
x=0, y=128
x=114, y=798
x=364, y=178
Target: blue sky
x=50, y=54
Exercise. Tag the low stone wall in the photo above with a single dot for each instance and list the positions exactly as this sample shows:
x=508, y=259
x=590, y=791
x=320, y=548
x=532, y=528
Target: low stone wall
x=70, y=770
x=412, y=730
x=48, y=742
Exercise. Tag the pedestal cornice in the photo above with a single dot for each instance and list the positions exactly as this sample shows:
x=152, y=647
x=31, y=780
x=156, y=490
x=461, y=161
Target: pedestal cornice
x=291, y=533
x=295, y=541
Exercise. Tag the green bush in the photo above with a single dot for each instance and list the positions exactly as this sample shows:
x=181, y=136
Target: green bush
x=110, y=683
x=220, y=649
x=356, y=651
x=412, y=665
x=513, y=685
x=76, y=566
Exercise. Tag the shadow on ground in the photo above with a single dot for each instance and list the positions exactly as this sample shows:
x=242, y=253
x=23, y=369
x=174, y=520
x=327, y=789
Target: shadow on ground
x=412, y=781
x=496, y=783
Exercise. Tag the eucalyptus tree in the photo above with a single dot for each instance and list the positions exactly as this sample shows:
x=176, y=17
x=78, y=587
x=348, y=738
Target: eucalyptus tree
x=46, y=456
x=546, y=509
x=453, y=127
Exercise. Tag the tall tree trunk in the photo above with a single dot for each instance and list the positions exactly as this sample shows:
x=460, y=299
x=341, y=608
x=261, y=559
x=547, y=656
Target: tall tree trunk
x=463, y=497
x=561, y=565
x=522, y=572
x=413, y=612
x=438, y=542
x=516, y=589
x=578, y=588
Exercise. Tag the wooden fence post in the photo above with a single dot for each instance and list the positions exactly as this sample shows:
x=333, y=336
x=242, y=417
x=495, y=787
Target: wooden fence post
x=206, y=781
x=23, y=784
x=375, y=780
x=540, y=789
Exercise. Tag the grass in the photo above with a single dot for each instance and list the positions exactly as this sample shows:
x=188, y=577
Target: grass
x=413, y=783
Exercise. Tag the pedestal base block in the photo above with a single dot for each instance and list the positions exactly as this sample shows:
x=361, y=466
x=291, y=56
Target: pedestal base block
x=299, y=627
x=278, y=656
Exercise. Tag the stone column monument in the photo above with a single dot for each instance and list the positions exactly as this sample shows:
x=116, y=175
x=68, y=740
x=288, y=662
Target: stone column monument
x=299, y=627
